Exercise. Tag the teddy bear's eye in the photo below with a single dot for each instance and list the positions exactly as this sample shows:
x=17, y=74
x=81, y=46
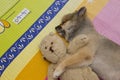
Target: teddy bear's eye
x=45, y=47
x=51, y=43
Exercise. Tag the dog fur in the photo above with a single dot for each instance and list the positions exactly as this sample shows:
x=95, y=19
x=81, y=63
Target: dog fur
x=100, y=53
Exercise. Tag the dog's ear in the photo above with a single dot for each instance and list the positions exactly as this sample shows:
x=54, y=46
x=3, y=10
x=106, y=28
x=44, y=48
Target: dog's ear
x=82, y=11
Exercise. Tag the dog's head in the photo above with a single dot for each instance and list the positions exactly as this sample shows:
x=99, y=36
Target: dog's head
x=70, y=23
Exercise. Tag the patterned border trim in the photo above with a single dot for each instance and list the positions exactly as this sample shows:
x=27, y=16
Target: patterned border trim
x=30, y=34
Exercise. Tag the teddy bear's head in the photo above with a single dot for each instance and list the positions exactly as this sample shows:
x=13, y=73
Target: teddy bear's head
x=52, y=48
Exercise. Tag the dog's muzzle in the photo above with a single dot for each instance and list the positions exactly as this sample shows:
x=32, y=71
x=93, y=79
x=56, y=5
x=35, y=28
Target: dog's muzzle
x=60, y=31
x=57, y=28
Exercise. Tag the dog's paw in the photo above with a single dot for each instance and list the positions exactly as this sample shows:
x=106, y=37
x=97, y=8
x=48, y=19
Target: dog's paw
x=57, y=72
x=83, y=38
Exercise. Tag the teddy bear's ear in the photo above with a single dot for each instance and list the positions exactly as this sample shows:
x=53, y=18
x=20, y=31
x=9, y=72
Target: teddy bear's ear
x=51, y=33
x=42, y=43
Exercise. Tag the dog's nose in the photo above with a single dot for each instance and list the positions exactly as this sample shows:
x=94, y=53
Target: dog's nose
x=58, y=27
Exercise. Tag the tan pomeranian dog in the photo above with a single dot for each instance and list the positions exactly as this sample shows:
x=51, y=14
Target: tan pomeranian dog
x=100, y=53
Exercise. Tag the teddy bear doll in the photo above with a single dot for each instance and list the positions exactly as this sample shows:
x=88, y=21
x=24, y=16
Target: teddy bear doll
x=54, y=50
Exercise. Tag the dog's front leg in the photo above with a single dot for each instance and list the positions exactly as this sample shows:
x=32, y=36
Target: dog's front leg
x=84, y=57
x=51, y=69
x=77, y=43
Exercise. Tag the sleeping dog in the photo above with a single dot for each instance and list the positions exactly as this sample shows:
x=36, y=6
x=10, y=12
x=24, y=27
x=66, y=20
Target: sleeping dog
x=100, y=53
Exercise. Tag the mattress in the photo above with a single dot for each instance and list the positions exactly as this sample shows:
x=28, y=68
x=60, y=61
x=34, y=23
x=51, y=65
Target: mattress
x=31, y=20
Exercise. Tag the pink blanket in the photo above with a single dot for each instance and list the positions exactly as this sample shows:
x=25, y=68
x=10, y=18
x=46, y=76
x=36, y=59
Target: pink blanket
x=107, y=22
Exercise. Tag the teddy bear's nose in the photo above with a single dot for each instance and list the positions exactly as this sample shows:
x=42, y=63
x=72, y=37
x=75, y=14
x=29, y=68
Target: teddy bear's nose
x=51, y=49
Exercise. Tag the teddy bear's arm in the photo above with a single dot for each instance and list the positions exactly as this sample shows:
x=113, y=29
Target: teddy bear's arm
x=77, y=42
x=51, y=69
